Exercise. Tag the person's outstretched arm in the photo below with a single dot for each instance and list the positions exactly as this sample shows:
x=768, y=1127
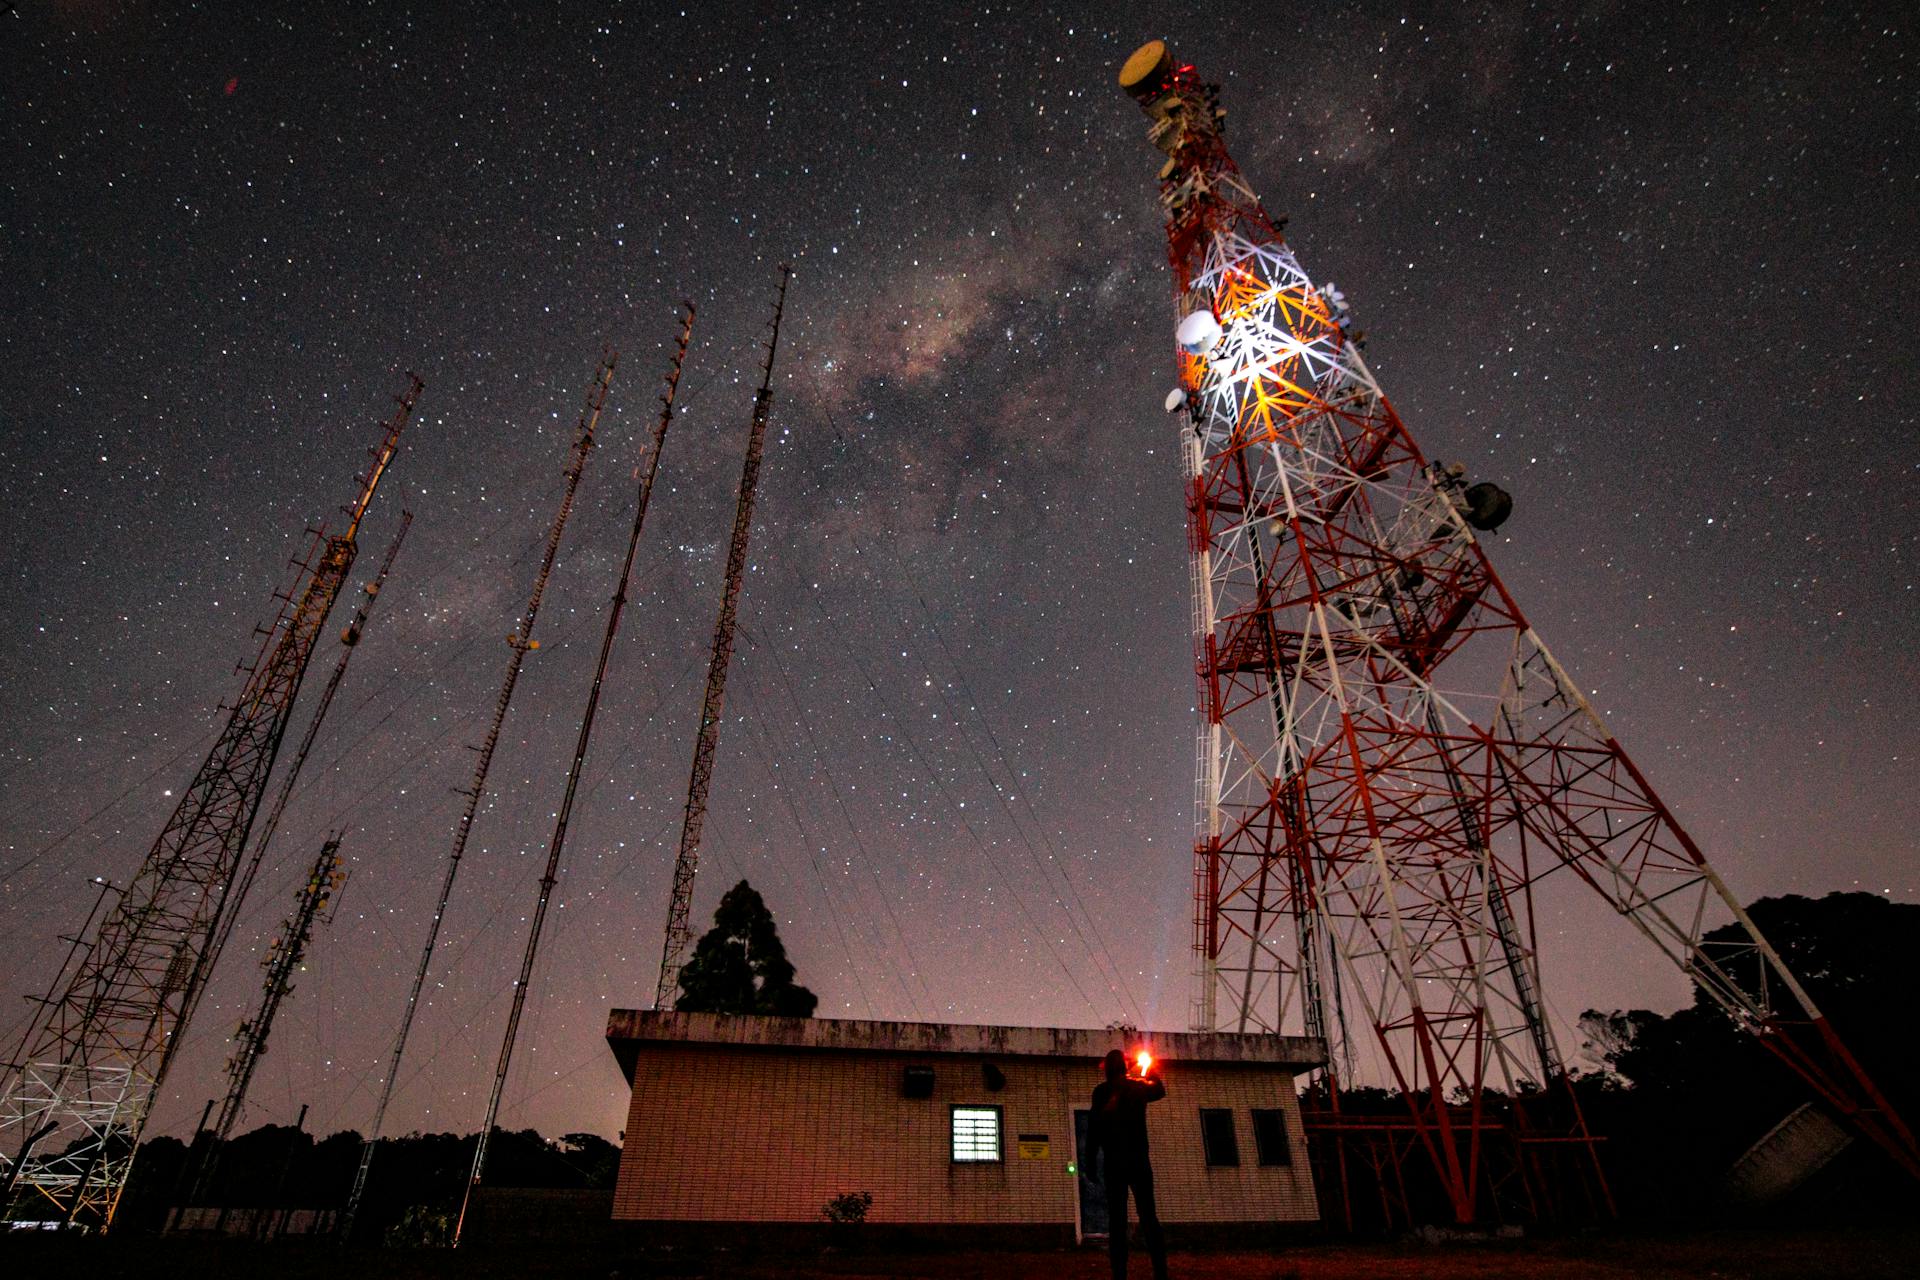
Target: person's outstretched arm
x=1156, y=1088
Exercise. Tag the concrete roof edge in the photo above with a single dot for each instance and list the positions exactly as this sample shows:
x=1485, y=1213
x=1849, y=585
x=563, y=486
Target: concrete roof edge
x=627, y=1027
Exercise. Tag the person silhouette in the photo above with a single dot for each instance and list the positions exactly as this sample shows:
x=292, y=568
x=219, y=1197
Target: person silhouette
x=1117, y=1136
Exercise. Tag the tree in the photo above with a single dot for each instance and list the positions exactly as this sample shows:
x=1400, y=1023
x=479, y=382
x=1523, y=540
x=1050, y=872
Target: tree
x=596, y=1159
x=740, y=966
x=1698, y=1091
x=1853, y=951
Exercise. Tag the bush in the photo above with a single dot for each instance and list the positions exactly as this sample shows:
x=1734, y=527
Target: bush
x=421, y=1227
x=848, y=1209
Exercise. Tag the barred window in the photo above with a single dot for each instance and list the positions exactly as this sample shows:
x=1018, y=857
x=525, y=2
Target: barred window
x=976, y=1135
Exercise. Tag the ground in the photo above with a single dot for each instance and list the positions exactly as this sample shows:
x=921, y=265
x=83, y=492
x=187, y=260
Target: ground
x=1727, y=1254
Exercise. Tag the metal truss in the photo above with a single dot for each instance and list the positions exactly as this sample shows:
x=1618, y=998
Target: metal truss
x=90, y=1071
x=285, y=955
x=686, y=865
x=263, y=837
x=520, y=643
x=1390, y=758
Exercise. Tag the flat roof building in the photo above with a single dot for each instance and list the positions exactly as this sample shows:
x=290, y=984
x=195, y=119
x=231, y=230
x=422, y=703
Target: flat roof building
x=744, y=1119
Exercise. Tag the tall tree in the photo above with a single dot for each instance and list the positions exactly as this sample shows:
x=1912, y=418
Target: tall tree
x=740, y=966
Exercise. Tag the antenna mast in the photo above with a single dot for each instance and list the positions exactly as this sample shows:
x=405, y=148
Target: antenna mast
x=688, y=862
x=520, y=642
x=230, y=907
x=93, y=1069
x=550, y=876
x=283, y=960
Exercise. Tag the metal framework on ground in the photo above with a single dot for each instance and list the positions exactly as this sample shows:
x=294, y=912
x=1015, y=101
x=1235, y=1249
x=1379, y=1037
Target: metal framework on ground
x=1390, y=758
x=284, y=956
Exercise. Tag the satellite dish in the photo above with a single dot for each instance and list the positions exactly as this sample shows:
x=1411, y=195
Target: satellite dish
x=1488, y=506
x=1147, y=69
x=1198, y=332
x=1176, y=400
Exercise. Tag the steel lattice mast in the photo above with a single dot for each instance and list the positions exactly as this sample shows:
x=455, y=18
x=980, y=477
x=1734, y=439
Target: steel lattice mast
x=680, y=903
x=94, y=1067
x=520, y=643
x=550, y=876
x=1390, y=757
x=284, y=954
x=243, y=884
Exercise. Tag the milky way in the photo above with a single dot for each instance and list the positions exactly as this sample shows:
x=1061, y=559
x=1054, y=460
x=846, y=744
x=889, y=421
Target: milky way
x=1650, y=269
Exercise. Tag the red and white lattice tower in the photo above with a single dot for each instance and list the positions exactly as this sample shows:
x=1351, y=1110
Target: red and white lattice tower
x=1390, y=758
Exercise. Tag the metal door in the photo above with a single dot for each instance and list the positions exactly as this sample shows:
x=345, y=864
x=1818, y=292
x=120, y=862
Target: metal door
x=1093, y=1193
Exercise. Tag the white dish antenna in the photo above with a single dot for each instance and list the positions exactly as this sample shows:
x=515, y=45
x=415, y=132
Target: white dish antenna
x=1198, y=332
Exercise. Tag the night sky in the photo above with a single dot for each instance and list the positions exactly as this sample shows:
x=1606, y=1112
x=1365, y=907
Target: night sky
x=1648, y=267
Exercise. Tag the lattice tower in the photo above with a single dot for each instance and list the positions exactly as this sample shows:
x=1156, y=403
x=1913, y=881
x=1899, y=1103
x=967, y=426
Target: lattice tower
x=92, y=1071
x=285, y=958
x=1390, y=757
x=707, y=740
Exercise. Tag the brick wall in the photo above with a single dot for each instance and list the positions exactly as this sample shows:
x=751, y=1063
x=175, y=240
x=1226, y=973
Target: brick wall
x=724, y=1133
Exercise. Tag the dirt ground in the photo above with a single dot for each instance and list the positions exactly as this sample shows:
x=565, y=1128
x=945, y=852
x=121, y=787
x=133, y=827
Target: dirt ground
x=1730, y=1254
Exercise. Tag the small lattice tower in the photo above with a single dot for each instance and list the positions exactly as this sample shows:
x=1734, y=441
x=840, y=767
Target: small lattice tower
x=286, y=957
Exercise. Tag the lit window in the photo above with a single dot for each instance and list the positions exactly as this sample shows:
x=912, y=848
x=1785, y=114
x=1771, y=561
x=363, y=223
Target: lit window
x=976, y=1135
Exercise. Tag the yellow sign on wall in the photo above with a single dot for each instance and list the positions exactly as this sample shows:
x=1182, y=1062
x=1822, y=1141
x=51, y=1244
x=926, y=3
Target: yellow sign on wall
x=1034, y=1146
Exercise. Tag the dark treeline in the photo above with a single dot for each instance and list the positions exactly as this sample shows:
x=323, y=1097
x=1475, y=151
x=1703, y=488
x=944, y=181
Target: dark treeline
x=1681, y=1096
x=415, y=1180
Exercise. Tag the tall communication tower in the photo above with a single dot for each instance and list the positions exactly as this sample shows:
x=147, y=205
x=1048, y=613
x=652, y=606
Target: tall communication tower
x=1390, y=757
x=519, y=643
x=243, y=883
x=284, y=956
x=551, y=875
x=680, y=904
x=89, y=1076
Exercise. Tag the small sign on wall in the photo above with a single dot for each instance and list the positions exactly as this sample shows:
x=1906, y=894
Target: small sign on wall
x=1034, y=1146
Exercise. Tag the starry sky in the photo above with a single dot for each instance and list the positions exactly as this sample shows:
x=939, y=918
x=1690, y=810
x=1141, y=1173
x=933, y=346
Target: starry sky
x=1648, y=268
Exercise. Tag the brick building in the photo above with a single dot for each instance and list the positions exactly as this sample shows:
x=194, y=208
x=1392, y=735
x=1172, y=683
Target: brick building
x=763, y=1120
